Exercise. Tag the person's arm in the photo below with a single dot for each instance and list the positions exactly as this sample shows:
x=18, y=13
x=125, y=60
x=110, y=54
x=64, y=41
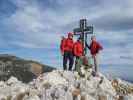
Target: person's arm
x=75, y=50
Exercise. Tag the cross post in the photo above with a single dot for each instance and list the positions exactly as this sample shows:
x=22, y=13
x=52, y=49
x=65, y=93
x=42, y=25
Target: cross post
x=83, y=32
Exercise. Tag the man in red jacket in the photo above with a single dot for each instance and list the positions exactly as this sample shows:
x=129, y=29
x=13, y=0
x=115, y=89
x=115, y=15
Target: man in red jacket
x=67, y=51
x=95, y=47
x=78, y=52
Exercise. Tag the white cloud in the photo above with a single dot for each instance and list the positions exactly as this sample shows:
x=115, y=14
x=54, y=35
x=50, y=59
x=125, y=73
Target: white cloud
x=35, y=30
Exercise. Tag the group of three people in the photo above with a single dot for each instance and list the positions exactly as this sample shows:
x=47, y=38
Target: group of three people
x=70, y=49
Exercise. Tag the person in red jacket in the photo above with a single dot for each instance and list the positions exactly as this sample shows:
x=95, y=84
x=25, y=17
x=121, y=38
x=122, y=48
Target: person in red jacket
x=67, y=51
x=78, y=48
x=95, y=47
x=78, y=52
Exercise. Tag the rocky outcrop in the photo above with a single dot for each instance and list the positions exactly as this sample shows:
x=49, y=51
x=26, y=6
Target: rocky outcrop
x=62, y=85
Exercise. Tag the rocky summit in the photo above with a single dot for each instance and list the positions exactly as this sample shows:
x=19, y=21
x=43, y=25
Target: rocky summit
x=66, y=85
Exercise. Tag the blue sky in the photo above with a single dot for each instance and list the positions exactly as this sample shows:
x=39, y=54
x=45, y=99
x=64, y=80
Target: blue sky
x=32, y=29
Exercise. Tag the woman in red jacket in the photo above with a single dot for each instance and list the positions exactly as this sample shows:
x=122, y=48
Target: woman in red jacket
x=78, y=52
x=95, y=47
x=67, y=51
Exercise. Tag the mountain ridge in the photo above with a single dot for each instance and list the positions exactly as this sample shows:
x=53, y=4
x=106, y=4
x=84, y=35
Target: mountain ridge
x=24, y=70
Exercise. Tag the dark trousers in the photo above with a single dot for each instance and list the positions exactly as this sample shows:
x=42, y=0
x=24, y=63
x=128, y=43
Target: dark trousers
x=68, y=56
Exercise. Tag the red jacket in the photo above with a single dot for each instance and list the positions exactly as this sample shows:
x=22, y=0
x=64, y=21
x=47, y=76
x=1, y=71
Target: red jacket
x=95, y=47
x=78, y=49
x=67, y=45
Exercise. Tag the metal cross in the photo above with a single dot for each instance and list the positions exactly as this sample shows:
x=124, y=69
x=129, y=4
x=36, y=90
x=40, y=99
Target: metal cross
x=83, y=31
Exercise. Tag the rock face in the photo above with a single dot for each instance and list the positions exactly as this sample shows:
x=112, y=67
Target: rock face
x=23, y=70
x=61, y=85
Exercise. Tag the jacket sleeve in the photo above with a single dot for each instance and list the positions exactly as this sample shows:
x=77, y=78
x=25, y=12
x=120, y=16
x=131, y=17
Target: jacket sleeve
x=74, y=49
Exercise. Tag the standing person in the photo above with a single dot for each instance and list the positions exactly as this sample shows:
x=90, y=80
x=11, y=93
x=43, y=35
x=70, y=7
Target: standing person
x=95, y=47
x=78, y=52
x=67, y=51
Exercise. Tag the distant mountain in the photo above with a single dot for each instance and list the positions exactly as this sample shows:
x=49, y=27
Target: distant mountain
x=24, y=70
